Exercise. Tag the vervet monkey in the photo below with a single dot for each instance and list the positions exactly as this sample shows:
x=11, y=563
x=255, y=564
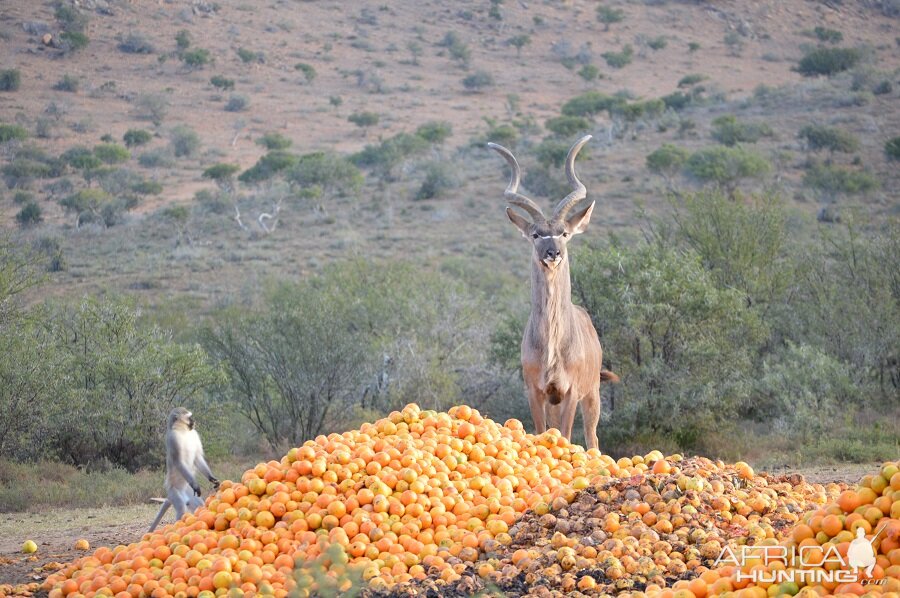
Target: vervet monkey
x=184, y=456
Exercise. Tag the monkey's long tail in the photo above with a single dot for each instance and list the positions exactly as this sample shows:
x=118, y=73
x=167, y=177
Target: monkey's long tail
x=162, y=511
x=607, y=376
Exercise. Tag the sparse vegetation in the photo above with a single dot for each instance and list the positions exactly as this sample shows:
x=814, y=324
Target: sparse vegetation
x=830, y=36
x=183, y=40
x=223, y=83
x=609, y=15
x=136, y=137
x=309, y=73
x=440, y=177
x=11, y=132
x=364, y=119
x=832, y=180
x=111, y=153
x=618, y=60
x=658, y=43
x=518, y=42
x=458, y=49
x=68, y=83
x=198, y=57
x=152, y=107
x=566, y=126
x=589, y=72
x=436, y=131
x=250, y=56
x=10, y=80
x=667, y=161
x=892, y=149
x=828, y=61
x=274, y=141
x=728, y=130
x=184, y=141
x=135, y=43
x=689, y=80
x=819, y=137
x=236, y=103
x=31, y=214
x=478, y=81
x=727, y=166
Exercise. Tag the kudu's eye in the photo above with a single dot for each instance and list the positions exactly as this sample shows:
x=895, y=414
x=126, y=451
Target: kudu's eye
x=534, y=235
x=565, y=235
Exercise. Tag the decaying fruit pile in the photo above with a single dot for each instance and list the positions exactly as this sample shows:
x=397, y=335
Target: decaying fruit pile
x=423, y=502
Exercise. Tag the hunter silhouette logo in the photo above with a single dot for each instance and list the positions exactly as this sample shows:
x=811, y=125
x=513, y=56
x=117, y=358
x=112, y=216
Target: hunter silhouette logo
x=861, y=553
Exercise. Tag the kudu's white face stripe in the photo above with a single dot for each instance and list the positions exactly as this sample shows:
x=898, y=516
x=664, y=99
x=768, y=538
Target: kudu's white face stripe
x=550, y=236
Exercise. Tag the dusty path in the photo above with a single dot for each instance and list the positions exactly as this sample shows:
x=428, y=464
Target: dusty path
x=56, y=531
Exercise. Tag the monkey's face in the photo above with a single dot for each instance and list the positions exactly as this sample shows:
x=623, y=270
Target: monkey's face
x=181, y=416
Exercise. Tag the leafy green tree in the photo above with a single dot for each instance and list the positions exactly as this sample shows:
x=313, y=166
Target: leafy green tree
x=309, y=72
x=330, y=172
x=364, y=119
x=274, y=141
x=589, y=104
x=390, y=153
x=268, y=166
x=30, y=214
x=197, y=57
x=819, y=137
x=111, y=153
x=618, y=60
x=222, y=174
x=673, y=331
x=518, y=42
x=223, y=83
x=566, y=126
x=81, y=158
x=589, y=72
x=728, y=130
x=828, y=61
x=727, y=166
x=87, y=205
x=184, y=141
x=136, y=137
x=435, y=131
x=609, y=16
x=667, y=161
x=478, y=81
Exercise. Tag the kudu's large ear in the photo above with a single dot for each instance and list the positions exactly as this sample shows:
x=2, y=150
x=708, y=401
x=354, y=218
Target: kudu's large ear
x=577, y=223
x=521, y=223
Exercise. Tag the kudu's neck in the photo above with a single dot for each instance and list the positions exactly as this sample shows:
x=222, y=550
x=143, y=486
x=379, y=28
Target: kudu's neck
x=551, y=293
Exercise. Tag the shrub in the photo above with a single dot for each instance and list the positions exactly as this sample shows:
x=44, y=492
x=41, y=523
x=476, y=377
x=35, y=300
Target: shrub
x=10, y=132
x=147, y=187
x=111, y=153
x=67, y=83
x=892, y=149
x=390, y=152
x=183, y=40
x=440, y=177
x=81, y=158
x=729, y=131
x=820, y=137
x=197, y=57
x=458, y=49
x=274, y=141
x=268, y=166
x=30, y=214
x=328, y=171
x=136, y=137
x=73, y=41
x=618, y=60
x=503, y=134
x=221, y=172
x=184, y=141
x=70, y=17
x=831, y=180
x=236, y=103
x=250, y=56
x=589, y=72
x=22, y=197
x=726, y=166
x=689, y=80
x=518, y=42
x=478, y=81
x=158, y=158
x=10, y=79
x=307, y=69
x=220, y=82
x=435, y=131
x=552, y=152
x=667, y=161
x=589, y=104
x=831, y=36
x=364, y=119
x=658, y=43
x=566, y=126
x=828, y=61
x=152, y=107
x=135, y=43
x=87, y=205
x=608, y=15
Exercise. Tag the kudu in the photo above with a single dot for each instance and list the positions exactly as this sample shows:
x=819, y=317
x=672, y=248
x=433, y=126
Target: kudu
x=561, y=354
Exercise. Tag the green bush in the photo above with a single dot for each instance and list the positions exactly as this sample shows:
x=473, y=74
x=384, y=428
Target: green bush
x=828, y=61
x=519, y=42
x=478, y=81
x=158, y=158
x=667, y=161
x=435, y=131
x=831, y=36
x=152, y=107
x=197, y=57
x=274, y=141
x=70, y=18
x=328, y=171
x=68, y=83
x=504, y=134
x=111, y=153
x=728, y=130
x=308, y=71
x=135, y=43
x=236, y=103
x=831, y=180
x=147, y=187
x=81, y=158
x=457, y=48
x=250, y=56
x=220, y=82
x=670, y=331
x=618, y=60
x=30, y=214
x=184, y=141
x=553, y=152
x=566, y=126
x=892, y=149
x=73, y=41
x=220, y=172
x=136, y=137
x=364, y=119
x=10, y=79
x=183, y=40
x=10, y=132
x=677, y=100
x=727, y=166
x=268, y=166
x=608, y=15
x=589, y=104
x=390, y=152
x=692, y=79
x=819, y=137
x=658, y=43
x=589, y=72
x=440, y=177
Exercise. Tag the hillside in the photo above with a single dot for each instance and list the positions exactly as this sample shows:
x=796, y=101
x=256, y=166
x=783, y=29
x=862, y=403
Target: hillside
x=394, y=59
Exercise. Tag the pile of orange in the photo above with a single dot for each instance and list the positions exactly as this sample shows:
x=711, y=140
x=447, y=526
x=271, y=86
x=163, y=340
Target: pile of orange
x=403, y=495
x=422, y=499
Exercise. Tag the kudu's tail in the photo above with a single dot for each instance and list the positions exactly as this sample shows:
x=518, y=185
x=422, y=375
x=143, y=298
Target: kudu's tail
x=607, y=376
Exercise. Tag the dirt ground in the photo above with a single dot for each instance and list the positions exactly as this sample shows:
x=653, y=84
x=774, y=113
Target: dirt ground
x=55, y=532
